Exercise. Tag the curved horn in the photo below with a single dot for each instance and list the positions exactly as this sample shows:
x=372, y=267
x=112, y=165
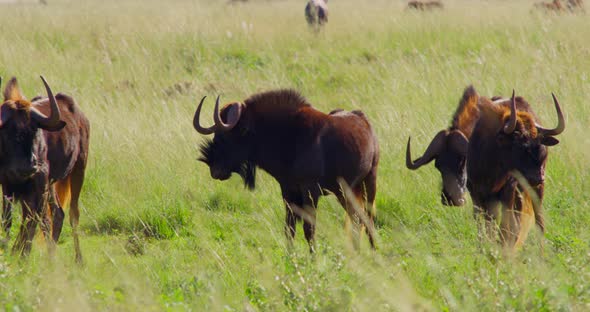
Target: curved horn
x=196, y=123
x=560, y=121
x=511, y=123
x=53, y=119
x=431, y=151
x=232, y=117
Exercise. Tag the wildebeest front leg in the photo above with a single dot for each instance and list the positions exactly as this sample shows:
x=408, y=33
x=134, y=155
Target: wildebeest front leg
x=509, y=225
x=34, y=208
x=486, y=213
x=45, y=216
x=28, y=226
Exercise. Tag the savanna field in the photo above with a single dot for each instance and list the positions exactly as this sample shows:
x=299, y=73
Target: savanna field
x=159, y=234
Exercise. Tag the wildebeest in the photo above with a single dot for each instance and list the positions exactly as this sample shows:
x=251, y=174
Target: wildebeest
x=554, y=6
x=316, y=13
x=425, y=5
x=44, y=149
x=575, y=6
x=448, y=149
x=305, y=150
x=508, y=143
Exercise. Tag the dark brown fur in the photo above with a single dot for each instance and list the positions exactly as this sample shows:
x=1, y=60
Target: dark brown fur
x=492, y=160
x=305, y=150
x=58, y=166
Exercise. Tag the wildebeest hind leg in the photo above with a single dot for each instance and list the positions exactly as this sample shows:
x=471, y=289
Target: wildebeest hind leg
x=370, y=190
x=57, y=214
x=310, y=199
x=292, y=204
x=351, y=206
x=76, y=180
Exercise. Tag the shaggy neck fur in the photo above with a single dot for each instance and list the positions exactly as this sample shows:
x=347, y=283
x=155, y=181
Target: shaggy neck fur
x=467, y=112
x=494, y=116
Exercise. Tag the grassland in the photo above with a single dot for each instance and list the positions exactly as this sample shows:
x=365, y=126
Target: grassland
x=160, y=234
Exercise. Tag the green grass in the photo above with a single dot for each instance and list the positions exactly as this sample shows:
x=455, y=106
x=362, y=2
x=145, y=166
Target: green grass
x=160, y=234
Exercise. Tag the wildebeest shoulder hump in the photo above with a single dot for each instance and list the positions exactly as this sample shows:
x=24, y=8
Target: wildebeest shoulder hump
x=277, y=101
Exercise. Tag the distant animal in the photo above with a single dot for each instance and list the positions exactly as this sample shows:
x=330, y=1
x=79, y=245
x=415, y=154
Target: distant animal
x=576, y=6
x=316, y=13
x=43, y=155
x=425, y=5
x=507, y=142
x=449, y=150
x=556, y=6
x=308, y=152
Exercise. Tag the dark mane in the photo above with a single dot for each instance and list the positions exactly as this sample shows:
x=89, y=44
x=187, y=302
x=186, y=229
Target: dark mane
x=467, y=112
x=495, y=114
x=281, y=101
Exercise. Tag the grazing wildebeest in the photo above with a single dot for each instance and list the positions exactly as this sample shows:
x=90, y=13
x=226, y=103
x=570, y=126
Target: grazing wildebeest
x=44, y=148
x=316, y=13
x=449, y=150
x=555, y=6
x=507, y=143
x=305, y=150
x=576, y=6
x=425, y=5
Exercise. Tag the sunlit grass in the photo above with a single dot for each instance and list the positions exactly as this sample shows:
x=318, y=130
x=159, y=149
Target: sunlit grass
x=159, y=233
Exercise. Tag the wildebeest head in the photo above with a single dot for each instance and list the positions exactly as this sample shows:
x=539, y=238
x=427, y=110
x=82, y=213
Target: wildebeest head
x=21, y=140
x=229, y=151
x=519, y=136
x=448, y=149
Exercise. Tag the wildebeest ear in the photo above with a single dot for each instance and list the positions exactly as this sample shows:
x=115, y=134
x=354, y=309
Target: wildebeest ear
x=60, y=125
x=549, y=141
x=12, y=91
x=458, y=142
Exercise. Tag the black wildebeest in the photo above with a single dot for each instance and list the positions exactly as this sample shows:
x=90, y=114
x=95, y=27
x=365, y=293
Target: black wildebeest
x=308, y=152
x=576, y=6
x=448, y=149
x=316, y=13
x=507, y=143
x=44, y=148
x=555, y=6
x=425, y=5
